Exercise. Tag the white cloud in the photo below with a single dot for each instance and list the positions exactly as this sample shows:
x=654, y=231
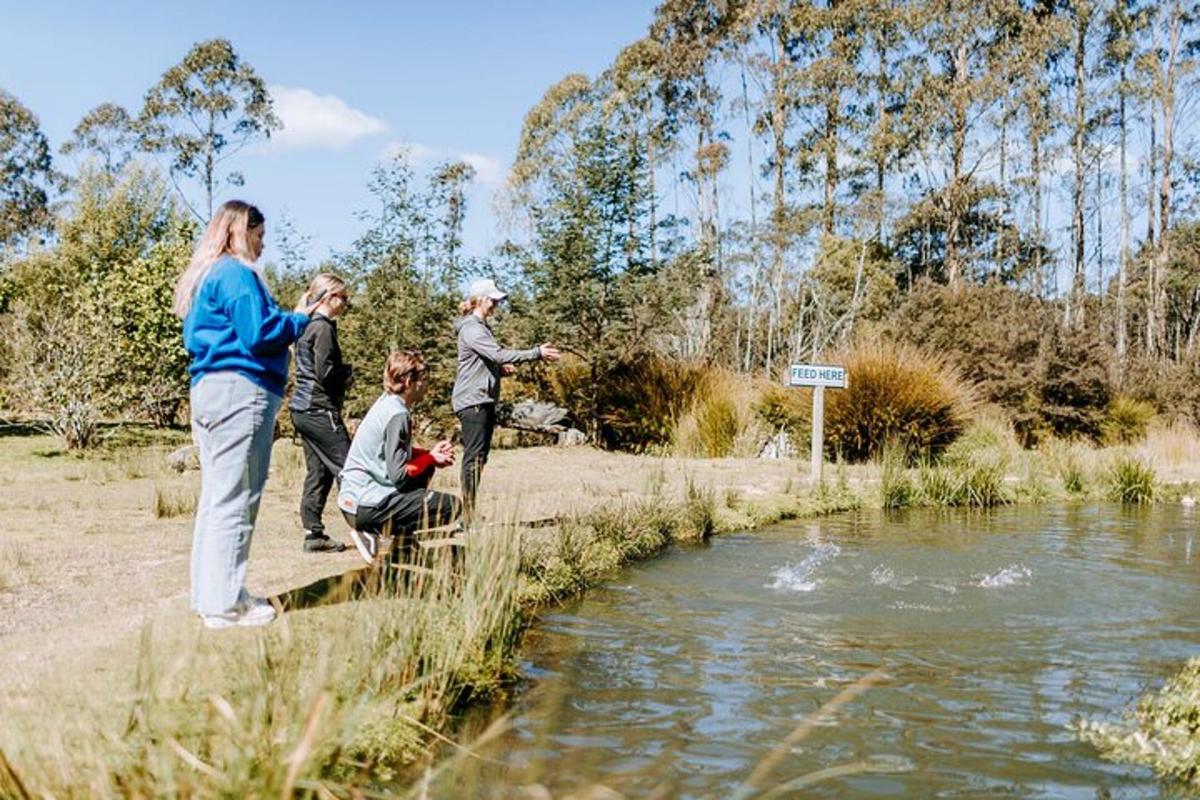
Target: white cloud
x=325, y=121
x=488, y=170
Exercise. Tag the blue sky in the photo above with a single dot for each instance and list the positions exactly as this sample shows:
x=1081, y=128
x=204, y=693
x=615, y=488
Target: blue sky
x=352, y=78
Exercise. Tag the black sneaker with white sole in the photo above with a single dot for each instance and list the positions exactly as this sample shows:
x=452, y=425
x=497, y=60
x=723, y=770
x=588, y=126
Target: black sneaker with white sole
x=322, y=544
x=367, y=544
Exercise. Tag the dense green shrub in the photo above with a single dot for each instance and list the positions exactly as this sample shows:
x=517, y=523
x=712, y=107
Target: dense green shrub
x=1011, y=347
x=1162, y=733
x=897, y=393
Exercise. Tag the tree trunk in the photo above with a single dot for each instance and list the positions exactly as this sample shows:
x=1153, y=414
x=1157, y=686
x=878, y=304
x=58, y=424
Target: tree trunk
x=1123, y=263
x=1074, y=314
x=954, y=201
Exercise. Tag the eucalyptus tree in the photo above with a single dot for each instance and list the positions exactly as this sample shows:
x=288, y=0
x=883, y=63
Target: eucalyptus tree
x=27, y=176
x=1082, y=16
x=954, y=97
x=1165, y=66
x=106, y=132
x=202, y=112
x=1121, y=26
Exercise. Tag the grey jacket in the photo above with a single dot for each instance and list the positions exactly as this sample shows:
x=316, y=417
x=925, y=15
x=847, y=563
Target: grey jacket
x=375, y=464
x=479, y=360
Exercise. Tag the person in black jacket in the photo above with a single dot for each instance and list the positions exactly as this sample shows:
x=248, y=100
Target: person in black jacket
x=321, y=381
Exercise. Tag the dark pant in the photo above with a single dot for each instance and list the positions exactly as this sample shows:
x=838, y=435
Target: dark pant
x=326, y=444
x=409, y=511
x=477, y=424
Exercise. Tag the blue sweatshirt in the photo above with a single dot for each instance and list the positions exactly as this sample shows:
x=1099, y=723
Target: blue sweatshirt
x=234, y=325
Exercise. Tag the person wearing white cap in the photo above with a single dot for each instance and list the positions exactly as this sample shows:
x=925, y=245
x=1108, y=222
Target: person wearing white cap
x=481, y=362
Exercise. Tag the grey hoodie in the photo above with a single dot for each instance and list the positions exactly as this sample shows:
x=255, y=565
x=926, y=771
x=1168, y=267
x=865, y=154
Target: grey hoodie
x=479, y=360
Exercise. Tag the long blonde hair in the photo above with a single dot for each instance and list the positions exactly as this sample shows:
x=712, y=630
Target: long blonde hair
x=324, y=285
x=225, y=235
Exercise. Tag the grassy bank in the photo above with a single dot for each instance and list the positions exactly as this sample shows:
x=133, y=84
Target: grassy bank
x=116, y=691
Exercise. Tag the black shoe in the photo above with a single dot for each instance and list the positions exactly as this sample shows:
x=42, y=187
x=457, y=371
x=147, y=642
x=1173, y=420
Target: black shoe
x=322, y=544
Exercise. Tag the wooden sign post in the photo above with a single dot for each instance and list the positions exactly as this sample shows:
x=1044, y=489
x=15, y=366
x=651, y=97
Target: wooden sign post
x=820, y=377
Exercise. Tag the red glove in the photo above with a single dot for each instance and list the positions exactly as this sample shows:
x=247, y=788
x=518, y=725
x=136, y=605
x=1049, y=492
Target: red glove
x=420, y=463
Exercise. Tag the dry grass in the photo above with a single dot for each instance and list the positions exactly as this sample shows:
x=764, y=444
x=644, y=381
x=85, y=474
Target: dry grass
x=174, y=501
x=897, y=393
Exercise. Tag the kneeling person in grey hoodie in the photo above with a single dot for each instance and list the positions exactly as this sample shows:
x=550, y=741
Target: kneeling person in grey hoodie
x=386, y=478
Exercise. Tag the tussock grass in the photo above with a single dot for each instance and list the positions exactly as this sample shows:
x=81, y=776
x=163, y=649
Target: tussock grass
x=897, y=393
x=174, y=501
x=326, y=699
x=1130, y=480
x=721, y=420
x=895, y=486
x=1126, y=420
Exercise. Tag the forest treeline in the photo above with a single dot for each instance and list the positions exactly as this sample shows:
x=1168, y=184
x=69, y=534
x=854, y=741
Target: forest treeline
x=1009, y=185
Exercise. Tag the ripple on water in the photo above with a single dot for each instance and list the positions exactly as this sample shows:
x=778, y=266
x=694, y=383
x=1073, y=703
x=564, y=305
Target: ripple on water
x=801, y=577
x=1012, y=575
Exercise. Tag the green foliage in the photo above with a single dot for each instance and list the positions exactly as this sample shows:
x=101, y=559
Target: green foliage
x=1126, y=420
x=27, y=177
x=107, y=133
x=785, y=409
x=116, y=349
x=897, y=393
x=403, y=270
x=895, y=486
x=202, y=111
x=1130, y=480
x=1161, y=733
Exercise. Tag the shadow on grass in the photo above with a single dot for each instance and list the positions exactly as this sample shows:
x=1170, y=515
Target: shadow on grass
x=15, y=428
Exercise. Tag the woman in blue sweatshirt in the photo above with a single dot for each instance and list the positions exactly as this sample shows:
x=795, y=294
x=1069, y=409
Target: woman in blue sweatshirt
x=238, y=340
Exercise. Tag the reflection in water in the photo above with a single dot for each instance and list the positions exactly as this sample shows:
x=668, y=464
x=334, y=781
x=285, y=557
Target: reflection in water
x=994, y=630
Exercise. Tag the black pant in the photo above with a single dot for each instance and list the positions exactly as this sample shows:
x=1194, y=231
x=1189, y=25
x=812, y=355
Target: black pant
x=477, y=424
x=410, y=510
x=326, y=444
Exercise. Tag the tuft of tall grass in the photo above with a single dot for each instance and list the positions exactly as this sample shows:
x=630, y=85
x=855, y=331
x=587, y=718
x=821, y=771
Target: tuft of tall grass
x=721, y=420
x=896, y=393
x=1130, y=480
x=1068, y=459
x=895, y=486
x=1125, y=420
x=174, y=501
x=324, y=703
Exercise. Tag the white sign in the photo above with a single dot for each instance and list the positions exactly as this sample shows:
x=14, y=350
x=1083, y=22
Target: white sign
x=818, y=375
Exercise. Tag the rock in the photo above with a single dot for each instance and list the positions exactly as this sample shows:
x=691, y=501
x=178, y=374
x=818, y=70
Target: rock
x=572, y=437
x=536, y=415
x=777, y=446
x=185, y=458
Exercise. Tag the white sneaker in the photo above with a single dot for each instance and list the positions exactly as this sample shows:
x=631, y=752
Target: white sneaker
x=251, y=613
x=367, y=544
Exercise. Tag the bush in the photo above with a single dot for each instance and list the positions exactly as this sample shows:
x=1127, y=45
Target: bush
x=721, y=421
x=787, y=410
x=1011, y=348
x=1126, y=420
x=1161, y=734
x=897, y=393
x=1130, y=480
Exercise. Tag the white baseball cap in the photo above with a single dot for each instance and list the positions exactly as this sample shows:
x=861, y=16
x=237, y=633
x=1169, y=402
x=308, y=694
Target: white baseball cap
x=486, y=287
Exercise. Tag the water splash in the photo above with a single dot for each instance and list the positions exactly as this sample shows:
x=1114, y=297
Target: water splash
x=883, y=576
x=799, y=577
x=1012, y=575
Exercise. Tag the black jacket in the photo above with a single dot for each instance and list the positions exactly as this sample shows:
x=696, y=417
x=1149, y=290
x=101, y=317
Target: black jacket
x=321, y=375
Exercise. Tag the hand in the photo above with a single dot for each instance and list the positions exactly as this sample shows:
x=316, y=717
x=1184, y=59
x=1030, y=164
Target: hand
x=548, y=352
x=508, y=369
x=443, y=453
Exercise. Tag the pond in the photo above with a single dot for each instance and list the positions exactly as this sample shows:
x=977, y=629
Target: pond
x=969, y=641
